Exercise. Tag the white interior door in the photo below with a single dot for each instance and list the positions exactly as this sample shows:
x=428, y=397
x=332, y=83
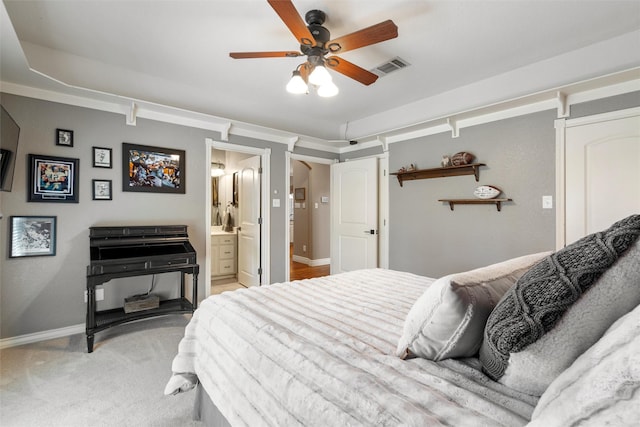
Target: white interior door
x=354, y=215
x=602, y=171
x=249, y=222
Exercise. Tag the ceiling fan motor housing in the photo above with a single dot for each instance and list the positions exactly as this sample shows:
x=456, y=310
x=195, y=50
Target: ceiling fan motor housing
x=315, y=19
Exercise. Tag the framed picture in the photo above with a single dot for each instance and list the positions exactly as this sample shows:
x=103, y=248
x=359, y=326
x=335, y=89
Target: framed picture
x=299, y=194
x=153, y=169
x=53, y=179
x=102, y=157
x=64, y=137
x=32, y=236
x=101, y=189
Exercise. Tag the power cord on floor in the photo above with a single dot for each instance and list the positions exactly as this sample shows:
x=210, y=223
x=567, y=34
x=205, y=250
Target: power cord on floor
x=153, y=285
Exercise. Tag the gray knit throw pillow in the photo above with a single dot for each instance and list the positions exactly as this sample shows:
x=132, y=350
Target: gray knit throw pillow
x=541, y=296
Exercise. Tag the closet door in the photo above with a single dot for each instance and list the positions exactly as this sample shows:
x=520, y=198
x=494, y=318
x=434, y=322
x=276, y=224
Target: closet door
x=601, y=172
x=354, y=215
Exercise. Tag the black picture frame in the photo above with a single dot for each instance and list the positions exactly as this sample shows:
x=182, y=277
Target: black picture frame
x=299, y=194
x=102, y=157
x=64, y=137
x=32, y=236
x=53, y=179
x=151, y=169
x=102, y=189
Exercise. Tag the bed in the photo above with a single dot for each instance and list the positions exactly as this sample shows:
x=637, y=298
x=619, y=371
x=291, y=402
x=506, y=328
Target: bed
x=381, y=347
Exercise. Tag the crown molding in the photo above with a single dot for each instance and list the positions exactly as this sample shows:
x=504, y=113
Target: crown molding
x=559, y=98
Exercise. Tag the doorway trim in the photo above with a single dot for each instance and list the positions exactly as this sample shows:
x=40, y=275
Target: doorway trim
x=265, y=245
x=287, y=168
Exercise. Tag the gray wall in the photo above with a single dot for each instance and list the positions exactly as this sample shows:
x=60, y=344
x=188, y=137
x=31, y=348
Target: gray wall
x=43, y=293
x=427, y=238
x=320, y=179
x=301, y=226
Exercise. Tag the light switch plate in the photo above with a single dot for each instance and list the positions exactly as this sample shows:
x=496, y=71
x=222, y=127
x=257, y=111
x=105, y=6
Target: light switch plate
x=547, y=202
x=276, y=203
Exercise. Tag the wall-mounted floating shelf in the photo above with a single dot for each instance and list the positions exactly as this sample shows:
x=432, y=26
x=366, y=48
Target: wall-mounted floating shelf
x=497, y=202
x=443, y=172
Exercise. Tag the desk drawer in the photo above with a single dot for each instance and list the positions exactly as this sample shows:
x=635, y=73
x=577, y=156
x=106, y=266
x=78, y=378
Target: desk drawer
x=171, y=262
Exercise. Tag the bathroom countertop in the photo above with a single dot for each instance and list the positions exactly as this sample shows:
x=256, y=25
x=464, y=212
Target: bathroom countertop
x=217, y=231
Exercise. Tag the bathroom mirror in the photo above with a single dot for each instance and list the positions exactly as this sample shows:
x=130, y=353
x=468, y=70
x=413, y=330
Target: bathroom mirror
x=215, y=193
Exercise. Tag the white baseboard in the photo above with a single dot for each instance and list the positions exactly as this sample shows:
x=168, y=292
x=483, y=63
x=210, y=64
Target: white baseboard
x=41, y=336
x=311, y=262
x=320, y=261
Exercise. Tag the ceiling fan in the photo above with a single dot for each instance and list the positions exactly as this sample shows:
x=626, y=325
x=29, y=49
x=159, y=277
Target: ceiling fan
x=316, y=43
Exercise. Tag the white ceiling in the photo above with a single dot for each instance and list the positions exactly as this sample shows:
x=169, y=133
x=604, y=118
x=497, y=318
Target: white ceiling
x=175, y=53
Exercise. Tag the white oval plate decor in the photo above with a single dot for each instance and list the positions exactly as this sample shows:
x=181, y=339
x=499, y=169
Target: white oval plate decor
x=487, y=192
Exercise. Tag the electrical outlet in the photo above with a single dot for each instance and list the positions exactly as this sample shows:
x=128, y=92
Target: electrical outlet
x=99, y=295
x=304, y=248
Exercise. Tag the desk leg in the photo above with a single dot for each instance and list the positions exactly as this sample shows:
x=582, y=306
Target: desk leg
x=182, y=274
x=195, y=288
x=90, y=343
x=91, y=315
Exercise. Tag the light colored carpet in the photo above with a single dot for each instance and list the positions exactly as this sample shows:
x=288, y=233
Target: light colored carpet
x=57, y=383
x=220, y=288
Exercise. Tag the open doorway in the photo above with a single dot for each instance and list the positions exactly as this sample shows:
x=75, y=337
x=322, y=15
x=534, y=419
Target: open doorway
x=238, y=246
x=309, y=217
x=225, y=220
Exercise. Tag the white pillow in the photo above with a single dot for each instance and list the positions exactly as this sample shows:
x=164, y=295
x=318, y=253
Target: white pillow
x=602, y=387
x=448, y=320
x=613, y=295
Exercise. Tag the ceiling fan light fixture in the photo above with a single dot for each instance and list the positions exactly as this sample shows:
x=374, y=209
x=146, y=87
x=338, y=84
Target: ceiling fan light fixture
x=319, y=76
x=328, y=90
x=297, y=85
x=217, y=169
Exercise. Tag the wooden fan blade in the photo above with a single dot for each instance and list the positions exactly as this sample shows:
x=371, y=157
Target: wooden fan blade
x=374, y=34
x=282, y=54
x=351, y=70
x=292, y=19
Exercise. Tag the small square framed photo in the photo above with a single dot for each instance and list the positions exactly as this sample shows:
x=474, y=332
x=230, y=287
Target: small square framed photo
x=32, y=236
x=102, y=157
x=64, y=137
x=102, y=189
